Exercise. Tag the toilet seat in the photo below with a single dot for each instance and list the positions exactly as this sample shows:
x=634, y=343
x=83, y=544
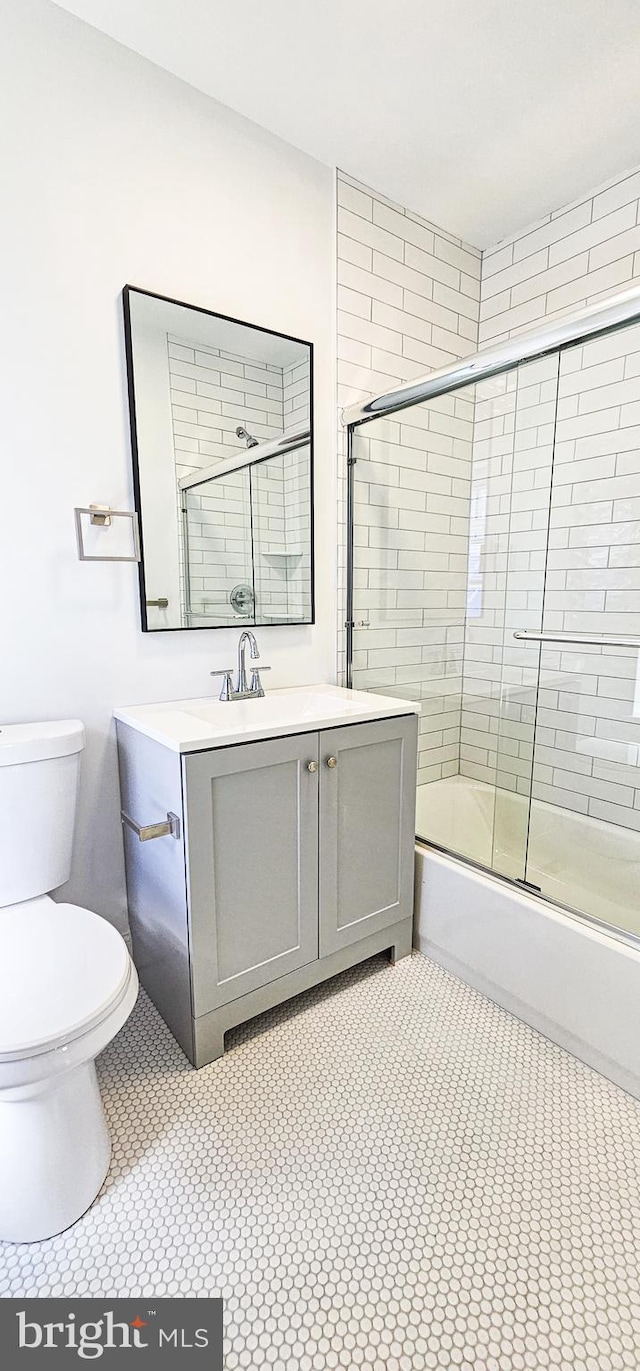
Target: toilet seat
x=62, y=970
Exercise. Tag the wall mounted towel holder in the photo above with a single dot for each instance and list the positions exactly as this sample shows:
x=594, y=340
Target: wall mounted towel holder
x=101, y=516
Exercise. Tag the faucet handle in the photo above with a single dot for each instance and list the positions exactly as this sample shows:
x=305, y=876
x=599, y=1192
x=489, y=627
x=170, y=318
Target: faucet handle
x=256, y=687
x=226, y=692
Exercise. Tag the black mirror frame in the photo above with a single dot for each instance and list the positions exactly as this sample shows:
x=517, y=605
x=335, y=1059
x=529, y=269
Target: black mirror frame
x=127, y=291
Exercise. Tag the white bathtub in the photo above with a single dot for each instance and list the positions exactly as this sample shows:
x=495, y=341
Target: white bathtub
x=587, y=864
x=575, y=982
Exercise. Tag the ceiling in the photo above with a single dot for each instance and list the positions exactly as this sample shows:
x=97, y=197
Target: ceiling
x=481, y=115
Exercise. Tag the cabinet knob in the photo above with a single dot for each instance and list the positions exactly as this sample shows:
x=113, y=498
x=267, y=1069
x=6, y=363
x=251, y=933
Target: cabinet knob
x=332, y=761
x=312, y=766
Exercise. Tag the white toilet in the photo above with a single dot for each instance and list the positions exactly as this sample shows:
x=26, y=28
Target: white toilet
x=67, y=985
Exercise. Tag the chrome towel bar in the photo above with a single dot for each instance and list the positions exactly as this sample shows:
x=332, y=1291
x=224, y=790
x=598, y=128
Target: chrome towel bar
x=169, y=827
x=593, y=639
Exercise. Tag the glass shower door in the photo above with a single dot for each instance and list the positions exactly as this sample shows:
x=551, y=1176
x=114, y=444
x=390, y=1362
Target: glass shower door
x=511, y=472
x=584, y=837
x=451, y=510
x=496, y=575
x=411, y=537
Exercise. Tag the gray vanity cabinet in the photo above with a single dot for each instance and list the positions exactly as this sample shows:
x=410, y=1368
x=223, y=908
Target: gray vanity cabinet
x=251, y=816
x=291, y=859
x=367, y=804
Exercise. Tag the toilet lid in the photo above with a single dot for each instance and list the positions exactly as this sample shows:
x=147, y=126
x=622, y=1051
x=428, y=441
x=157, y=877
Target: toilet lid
x=61, y=969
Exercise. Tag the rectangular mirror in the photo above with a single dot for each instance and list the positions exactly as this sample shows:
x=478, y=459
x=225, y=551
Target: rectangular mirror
x=222, y=440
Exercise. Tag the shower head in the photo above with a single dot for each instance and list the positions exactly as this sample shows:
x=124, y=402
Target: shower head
x=247, y=437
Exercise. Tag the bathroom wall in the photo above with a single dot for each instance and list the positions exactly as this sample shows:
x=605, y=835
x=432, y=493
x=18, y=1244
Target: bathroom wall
x=101, y=153
x=408, y=297
x=578, y=254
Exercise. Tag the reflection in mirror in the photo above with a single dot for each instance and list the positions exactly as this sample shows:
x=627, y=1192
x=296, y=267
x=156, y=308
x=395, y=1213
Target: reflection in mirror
x=222, y=425
x=249, y=526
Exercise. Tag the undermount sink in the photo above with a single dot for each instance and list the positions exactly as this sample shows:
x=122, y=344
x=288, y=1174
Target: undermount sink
x=192, y=725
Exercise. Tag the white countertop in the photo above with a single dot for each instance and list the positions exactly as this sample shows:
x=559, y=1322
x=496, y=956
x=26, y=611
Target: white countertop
x=193, y=725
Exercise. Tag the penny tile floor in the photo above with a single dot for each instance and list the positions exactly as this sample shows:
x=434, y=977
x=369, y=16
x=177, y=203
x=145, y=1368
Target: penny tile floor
x=388, y=1172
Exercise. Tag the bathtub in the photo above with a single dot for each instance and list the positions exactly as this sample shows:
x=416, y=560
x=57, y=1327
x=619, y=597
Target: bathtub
x=574, y=980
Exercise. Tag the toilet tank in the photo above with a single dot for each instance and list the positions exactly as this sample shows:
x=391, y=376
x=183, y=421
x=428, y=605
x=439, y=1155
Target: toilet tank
x=39, y=774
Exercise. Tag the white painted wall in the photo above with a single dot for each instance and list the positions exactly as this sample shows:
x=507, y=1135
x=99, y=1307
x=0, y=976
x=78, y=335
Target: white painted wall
x=114, y=171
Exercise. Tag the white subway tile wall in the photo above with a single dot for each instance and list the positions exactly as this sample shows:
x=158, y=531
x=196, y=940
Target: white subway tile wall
x=408, y=301
x=219, y=543
x=588, y=736
x=281, y=529
x=212, y=393
x=296, y=397
x=573, y=257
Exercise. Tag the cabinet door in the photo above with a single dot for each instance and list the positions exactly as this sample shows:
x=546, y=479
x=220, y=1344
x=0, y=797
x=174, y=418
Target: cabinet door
x=252, y=865
x=367, y=829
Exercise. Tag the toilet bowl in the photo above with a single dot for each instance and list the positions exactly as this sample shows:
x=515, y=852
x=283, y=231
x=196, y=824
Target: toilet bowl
x=67, y=986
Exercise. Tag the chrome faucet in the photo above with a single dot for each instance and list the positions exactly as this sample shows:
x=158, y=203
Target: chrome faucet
x=242, y=691
x=246, y=637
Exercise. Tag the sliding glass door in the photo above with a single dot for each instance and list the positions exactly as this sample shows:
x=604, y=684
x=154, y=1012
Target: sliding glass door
x=451, y=512
x=496, y=579
x=511, y=481
x=584, y=838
